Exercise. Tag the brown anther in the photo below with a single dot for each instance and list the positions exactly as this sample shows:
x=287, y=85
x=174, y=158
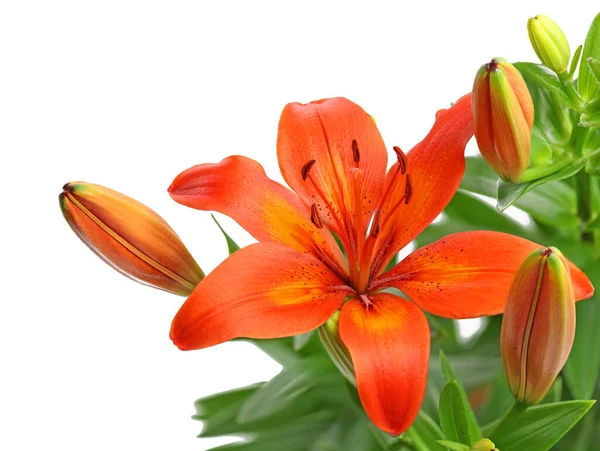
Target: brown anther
x=314, y=216
x=408, y=190
x=355, y=151
x=402, y=160
x=375, y=226
x=306, y=169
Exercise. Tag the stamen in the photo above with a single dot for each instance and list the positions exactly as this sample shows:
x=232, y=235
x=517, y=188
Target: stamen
x=402, y=160
x=355, y=151
x=306, y=169
x=375, y=227
x=314, y=216
x=408, y=190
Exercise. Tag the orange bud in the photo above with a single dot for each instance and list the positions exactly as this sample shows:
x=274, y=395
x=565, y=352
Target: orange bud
x=130, y=237
x=538, y=326
x=503, y=118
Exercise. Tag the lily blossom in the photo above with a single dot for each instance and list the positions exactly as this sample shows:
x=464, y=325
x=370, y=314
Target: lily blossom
x=334, y=159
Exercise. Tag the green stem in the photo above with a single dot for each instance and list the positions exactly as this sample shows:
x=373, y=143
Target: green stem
x=584, y=203
x=508, y=421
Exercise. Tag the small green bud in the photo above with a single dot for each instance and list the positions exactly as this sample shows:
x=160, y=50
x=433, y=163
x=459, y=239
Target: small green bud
x=484, y=444
x=332, y=342
x=549, y=43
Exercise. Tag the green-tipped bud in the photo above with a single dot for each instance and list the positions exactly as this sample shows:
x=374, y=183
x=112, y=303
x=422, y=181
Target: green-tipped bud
x=549, y=42
x=538, y=326
x=485, y=444
x=337, y=350
x=503, y=118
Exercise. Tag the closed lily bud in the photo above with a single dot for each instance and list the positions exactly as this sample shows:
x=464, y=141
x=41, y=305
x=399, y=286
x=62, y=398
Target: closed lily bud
x=337, y=350
x=549, y=43
x=503, y=118
x=538, y=326
x=485, y=444
x=130, y=237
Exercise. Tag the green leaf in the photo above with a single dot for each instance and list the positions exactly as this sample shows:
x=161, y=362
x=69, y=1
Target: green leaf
x=583, y=366
x=594, y=66
x=544, y=77
x=539, y=427
x=220, y=411
x=453, y=445
x=285, y=388
x=574, y=62
x=300, y=341
x=553, y=120
x=232, y=246
x=279, y=349
x=467, y=412
x=467, y=212
x=509, y=193
x=470, y=370
x=556, y=205
x=589, y=87
x=297, y=435
x=454, y=416
x=423, y=433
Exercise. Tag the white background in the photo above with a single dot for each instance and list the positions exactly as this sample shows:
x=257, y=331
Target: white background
x=128, y=94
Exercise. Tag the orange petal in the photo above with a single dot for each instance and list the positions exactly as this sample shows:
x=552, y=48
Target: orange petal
x=434, y=170
x=262, y=291
x=389, y=345
x=468, y=274
x=331, y=153
x=239, y=188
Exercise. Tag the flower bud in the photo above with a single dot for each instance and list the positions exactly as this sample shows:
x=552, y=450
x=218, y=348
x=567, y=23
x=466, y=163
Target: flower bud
x=484, y=444
x=538, y=326
x=503, y=118
x=549, y=43
x=337, y=350
x=130, y=237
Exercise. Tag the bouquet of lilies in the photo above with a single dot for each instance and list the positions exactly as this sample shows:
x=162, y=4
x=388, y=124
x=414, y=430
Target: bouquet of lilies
x=371, y=352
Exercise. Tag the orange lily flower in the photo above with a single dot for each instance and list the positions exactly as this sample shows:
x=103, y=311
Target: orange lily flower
x=333, y=157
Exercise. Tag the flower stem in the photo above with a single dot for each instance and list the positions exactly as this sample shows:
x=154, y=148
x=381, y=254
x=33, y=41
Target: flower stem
x=508, y=421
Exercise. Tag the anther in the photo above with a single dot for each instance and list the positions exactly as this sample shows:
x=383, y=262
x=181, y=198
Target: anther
x=375, y=226
x=402, y=160
x=306, y=169
x=355, y=151
x=408, y=190
x=314, y=216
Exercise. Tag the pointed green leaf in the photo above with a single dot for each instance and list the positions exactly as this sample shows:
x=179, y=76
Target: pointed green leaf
x=545, y=78
x=423, y=433
x=232, y=246
x=453, y=414
x=583, y=366
x=594, y=66
x=297, y=435
x=509, y=193
x=301, y=340
x=467, y=411
x=575, y=62
x=285, y=388
x=589, y=87
x=539, y=427
x=555, y=205
x=453, y=445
